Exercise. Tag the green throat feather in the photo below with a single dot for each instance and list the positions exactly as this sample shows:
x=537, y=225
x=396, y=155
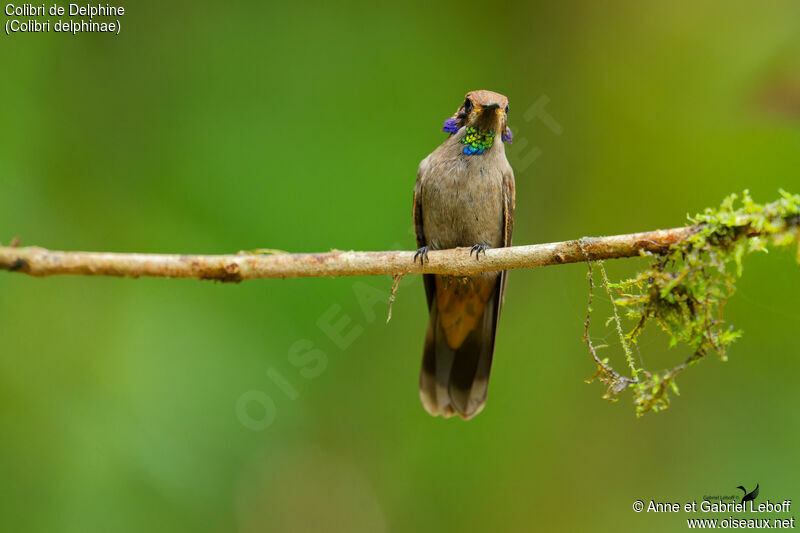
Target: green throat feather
x=477, y=141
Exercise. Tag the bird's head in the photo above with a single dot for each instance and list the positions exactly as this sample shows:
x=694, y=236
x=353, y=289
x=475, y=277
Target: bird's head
x=483, y=111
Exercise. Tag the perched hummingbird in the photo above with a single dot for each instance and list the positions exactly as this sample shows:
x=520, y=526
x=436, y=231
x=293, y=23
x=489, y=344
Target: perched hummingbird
x=464, y=197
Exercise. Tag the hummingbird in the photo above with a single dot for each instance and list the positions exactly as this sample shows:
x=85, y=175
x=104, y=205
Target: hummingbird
x=464, y=197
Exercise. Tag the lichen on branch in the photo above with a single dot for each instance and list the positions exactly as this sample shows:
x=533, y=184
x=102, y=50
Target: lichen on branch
x=684, y=291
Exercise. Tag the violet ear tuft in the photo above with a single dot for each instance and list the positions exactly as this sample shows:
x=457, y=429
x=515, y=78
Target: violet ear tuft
x=508, y=137
x=450, y=125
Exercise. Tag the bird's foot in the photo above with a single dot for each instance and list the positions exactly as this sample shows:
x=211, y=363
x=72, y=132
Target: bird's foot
x=478, y=248
x=422, y=253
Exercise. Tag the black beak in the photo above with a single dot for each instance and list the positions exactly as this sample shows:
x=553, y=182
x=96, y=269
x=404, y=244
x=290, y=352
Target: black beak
x=490, y=106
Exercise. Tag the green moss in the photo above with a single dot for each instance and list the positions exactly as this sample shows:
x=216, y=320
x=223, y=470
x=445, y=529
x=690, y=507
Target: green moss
x=684, y=291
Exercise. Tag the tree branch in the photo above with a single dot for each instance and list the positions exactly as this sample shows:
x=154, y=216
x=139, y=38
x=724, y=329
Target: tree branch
x=36, y=261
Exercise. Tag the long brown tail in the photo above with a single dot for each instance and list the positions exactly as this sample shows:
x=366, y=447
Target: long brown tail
x=456, y=380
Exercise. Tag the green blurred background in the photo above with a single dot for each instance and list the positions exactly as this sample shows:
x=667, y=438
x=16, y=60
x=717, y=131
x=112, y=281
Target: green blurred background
x=129, y=405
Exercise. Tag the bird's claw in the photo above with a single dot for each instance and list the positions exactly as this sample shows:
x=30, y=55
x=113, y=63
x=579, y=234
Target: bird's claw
x=422, y=253
x=478, y=248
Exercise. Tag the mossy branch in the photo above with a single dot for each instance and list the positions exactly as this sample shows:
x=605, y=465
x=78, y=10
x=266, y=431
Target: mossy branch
x=691, y=275
x=684, y=291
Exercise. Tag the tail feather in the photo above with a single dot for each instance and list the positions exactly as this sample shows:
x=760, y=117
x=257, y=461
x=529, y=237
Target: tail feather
x=456, y=381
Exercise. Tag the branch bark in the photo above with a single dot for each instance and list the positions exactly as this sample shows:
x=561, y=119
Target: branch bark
x=37, y=261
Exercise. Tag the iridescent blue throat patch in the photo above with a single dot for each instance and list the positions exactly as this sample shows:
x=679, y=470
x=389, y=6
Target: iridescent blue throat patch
x=477, y=142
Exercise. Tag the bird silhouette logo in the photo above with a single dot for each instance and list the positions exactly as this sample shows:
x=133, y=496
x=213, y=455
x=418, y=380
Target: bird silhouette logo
x=748, y=496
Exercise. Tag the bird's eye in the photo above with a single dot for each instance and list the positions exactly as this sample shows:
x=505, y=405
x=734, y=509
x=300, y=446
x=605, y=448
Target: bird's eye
x=467, y=105
x=506, y=109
